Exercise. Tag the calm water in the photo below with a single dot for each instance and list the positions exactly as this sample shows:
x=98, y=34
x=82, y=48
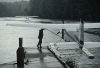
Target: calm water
x=9, y=43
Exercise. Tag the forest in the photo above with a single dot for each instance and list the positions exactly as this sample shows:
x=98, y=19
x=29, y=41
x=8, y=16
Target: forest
x=53, y=9
x=10, y=9
x=66, y=9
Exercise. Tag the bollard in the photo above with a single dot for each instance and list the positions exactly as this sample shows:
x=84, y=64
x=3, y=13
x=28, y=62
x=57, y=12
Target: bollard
x=20, y=54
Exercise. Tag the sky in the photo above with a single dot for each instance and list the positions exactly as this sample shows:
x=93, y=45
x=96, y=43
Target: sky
x=11, y=0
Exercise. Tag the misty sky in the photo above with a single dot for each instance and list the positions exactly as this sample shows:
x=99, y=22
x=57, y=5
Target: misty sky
x=11, y=0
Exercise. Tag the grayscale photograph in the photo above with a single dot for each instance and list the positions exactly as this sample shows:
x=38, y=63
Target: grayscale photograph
x=49, y=34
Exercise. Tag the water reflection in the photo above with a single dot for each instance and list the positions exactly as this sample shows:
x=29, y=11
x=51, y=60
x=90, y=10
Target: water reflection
x=42, y=58
x=41, y=55
x=20, y=66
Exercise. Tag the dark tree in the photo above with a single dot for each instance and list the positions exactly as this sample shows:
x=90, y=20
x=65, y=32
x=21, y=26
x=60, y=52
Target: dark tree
x=3, y=10
x=66, y=9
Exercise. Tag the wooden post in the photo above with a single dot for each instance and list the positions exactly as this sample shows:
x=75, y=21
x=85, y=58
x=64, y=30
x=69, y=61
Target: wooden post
x=81, y=33
x=20, y=54
x=20, y=42
x=63, y=30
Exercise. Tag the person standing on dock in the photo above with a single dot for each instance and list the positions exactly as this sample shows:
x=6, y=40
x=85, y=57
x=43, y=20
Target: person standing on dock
x=40, y=37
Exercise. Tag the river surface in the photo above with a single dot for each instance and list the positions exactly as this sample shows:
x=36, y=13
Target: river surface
x=9, y=42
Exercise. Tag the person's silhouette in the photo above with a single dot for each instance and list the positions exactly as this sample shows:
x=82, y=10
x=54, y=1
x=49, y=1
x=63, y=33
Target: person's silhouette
x=40, y=37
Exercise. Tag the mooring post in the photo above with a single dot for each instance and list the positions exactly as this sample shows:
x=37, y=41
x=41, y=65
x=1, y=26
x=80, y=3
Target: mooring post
x=20, y=54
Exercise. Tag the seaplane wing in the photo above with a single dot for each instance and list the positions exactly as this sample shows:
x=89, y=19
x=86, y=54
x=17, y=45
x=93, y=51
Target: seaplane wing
x=68, y=27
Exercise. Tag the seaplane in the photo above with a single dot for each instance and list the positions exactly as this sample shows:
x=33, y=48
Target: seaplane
x=68, y=28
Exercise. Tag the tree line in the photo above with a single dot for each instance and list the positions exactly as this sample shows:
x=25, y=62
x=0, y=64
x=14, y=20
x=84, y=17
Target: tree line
x=66, y=9
x=10, y=9
x=53, y=9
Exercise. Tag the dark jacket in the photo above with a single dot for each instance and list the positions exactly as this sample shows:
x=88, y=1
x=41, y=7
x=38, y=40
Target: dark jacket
x=40, y=34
